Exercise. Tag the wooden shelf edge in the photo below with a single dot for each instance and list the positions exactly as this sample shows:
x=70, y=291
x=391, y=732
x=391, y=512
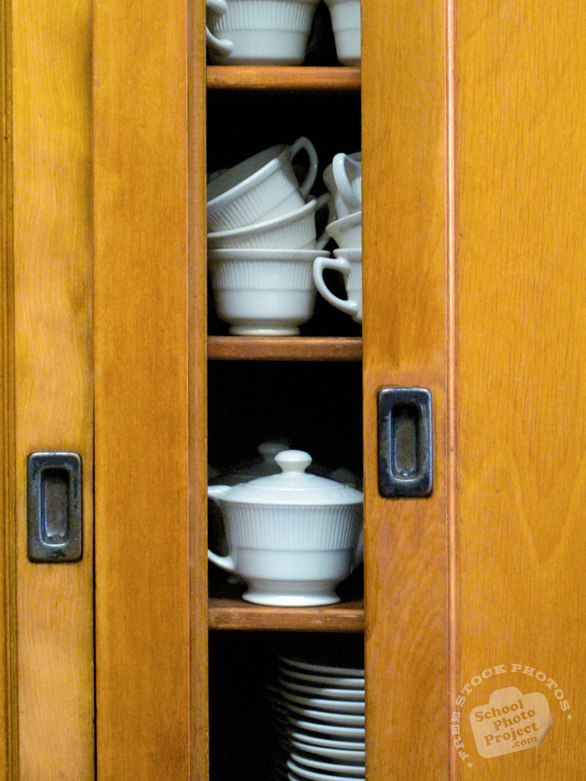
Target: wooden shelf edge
x=288, y=77
x=233, y=614
x=283, y=348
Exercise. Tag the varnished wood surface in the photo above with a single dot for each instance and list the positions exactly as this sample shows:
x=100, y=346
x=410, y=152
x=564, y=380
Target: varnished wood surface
x=282, y=78
x=279, y=348
x=404, y=344
x=197, y=389
x=8, y=637
x=236, y=614
x=53, y=372
x=521, y=367
x=142, y=381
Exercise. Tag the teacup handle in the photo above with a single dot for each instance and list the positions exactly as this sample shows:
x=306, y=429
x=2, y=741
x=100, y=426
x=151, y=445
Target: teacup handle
x=325, y=200
x=338, y=264
x=222, y=46
x=339, y=165
x=305, y=143
x=215, y=492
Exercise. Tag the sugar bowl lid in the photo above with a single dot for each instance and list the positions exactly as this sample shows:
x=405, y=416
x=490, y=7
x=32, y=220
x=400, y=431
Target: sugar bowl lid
x=293, y=486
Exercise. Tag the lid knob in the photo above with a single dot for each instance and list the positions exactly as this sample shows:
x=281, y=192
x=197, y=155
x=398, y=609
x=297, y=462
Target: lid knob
x=293, y=460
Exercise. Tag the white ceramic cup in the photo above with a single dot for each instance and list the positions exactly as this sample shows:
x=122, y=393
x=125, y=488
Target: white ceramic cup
x=348, y=177
x=260, y=188
x=263, y=292
x=347, y=231
x=258, y=32
x=295, y=230
x=349, y=262
x=342, y=210
x=345, y=15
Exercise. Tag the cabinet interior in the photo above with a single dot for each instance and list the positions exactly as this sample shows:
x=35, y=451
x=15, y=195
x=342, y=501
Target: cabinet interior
x=308, y=392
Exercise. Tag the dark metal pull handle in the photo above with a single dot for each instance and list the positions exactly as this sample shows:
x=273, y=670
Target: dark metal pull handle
x=405, y=458
x=54, y=507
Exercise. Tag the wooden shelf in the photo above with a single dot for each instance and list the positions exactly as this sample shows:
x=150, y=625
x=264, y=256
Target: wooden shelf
x=290, y=77
x=236, y=614
x=284, y=348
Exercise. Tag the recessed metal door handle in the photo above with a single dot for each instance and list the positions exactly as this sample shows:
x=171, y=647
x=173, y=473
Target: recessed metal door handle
x=54, y=507
x=405, y=452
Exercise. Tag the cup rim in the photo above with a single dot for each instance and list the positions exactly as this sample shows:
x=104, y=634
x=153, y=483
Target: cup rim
x=275, y=154
x=346, y=222
x=262, y=227
x=349, y=253
x=239, y=254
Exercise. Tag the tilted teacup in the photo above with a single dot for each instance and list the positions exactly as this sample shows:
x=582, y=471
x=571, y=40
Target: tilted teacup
x=294, y=230
x=349, y=262
x=347, y=231
x=259, y=188
x=355, y=195
x=292, y=537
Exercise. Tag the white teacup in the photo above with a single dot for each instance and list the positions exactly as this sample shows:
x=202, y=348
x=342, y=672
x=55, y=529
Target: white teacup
x=349, y=262
x=258, y=32
x=345, y=16
x=347, y=232
x=295, y=230
x=263, y=292
x=328, y=176
x=260, y=188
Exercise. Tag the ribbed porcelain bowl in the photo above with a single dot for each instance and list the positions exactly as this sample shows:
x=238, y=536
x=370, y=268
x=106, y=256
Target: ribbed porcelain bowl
x=263, y=292
x=294, y=230
x=345, y=16
x=261, y=32
x=292, y=537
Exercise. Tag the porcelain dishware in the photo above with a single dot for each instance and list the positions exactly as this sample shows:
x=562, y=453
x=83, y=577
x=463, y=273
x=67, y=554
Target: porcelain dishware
x=347, y=231
x=330, y=693
x=349, y=262
x=330, y=182
x=319, y=741
x=321, y=703
x=292, y=537
x=258, y=32
x=345, y=15
x=263, y=292
x=294, y=230
x=303, y=772
x=334, y=766
x=260, y=188
x=347, y=174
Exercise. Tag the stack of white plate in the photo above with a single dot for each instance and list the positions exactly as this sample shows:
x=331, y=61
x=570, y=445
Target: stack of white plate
x=319, y=712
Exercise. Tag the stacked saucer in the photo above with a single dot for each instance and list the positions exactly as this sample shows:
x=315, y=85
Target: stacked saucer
x=319, y=711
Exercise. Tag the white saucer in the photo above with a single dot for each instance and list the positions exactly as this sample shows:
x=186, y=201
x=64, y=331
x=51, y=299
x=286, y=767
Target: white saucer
x=328, y=767
x=336, y=706
x=304, y=772
x=341, y=719
x=328, y=693
x=354, y=672
x=331, y=730
x=351, y=757
x=328, y=680
x=317, y=740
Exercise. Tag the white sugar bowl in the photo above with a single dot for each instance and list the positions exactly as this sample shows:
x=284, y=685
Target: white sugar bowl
x=293, y=536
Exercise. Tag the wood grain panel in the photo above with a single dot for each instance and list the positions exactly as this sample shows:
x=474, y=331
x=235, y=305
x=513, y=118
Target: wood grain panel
x=142, y=390
x=8, y=639
x=53, y=371
x=521, y=379
x=277, y=77
x=404, y=344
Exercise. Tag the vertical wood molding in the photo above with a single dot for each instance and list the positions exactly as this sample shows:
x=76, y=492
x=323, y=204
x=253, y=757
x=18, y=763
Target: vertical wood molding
x=198, y=499
x=51, y=59
x=8, y=648
x=404, y=344
x=142, y=390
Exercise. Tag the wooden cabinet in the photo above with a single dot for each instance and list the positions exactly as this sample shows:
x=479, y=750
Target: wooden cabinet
x=474, y=286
